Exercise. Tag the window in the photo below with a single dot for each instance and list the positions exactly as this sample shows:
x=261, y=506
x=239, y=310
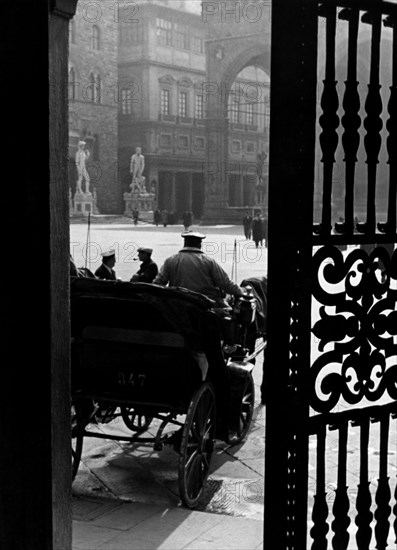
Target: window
x=200, y=143
x=249, y=114
x=267, y=116
x=197, y=44
x=164, y=32
x=126, y=101
x=183, y=142
x=236, y=146
x=98, y=89
x=250, y=146
x=165, y=140
x=182, y=110
x=91, y=89
x=199, y=107
x=131, y=33
x=94, y=91
x=165, y=102
x=235, y=112
x=181, y=37
x=72, y=84
x=95, y=38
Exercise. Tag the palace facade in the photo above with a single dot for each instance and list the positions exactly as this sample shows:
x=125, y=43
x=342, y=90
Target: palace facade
x=94, y=100
x=154, y=60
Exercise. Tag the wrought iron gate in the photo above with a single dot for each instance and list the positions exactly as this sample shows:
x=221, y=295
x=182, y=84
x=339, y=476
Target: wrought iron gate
x=331, y=364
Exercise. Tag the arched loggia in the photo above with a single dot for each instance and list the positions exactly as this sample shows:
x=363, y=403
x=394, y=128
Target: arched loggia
x=225, y=169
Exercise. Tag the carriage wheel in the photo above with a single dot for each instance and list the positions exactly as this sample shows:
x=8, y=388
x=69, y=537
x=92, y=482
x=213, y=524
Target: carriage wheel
x=135, y=422
x=246, y=412
x=197, y=445
x=77, y=444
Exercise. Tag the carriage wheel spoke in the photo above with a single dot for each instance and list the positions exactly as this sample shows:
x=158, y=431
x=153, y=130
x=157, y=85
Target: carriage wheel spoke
x=197, y=445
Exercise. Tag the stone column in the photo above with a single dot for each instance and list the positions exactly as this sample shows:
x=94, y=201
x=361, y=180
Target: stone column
x=241, y=190
x=35, y=460
x=215, y=171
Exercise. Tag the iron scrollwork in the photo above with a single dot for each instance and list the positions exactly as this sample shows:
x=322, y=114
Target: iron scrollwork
x=356, y=331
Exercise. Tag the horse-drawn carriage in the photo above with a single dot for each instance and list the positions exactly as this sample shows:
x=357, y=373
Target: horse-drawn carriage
x=144, y=352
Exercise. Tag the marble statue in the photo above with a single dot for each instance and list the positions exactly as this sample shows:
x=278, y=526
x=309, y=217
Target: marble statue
x=81, y=157
x=137, y=166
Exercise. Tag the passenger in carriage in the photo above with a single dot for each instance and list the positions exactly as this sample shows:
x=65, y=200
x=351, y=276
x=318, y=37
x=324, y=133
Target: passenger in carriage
x=192, y=269
x=148, y=270
x=105, y=270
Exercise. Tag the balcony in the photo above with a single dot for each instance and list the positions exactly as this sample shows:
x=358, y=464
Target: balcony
x=184, y=120
x=167, y=118
x=199, y=122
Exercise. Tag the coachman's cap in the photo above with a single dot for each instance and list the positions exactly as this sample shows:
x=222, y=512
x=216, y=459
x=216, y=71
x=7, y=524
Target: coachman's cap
x=193, y=234
x=81, y=143
x=108, y=253
x=145, y=249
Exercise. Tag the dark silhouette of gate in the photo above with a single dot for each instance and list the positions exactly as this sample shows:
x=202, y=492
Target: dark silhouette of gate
x=331, y=365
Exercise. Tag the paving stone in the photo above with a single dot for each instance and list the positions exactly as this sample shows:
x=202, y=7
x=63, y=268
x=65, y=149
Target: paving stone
x=87, y=536
x=256, y=464
x=127, y=516
x=224, y=465
x=84, y=509
x=230, y=534
x=128, y=479
x=238, y=497
x=251, y=447
x=173, y=529
x=86, y=484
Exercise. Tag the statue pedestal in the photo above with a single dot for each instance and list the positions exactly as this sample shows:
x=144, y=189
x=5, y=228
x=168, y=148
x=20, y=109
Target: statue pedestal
x=83, y=204
x=143, y=202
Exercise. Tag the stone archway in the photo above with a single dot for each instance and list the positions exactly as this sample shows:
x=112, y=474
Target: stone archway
x=242, y=34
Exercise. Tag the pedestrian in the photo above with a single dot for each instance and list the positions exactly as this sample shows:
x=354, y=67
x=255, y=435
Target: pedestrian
x=264, y=224
x=157, y=217
x=247, y=224
x=187, y=219
x=135, y=215
x=257, y=230
x=192, y=269
x=172, y=217
x=164, y=217
x=105, y=270
x=148, y=270
x=185, y=222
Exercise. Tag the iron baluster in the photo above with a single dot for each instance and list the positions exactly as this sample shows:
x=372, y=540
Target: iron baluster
x=351, y=120
x=329, y=120
x=363, y=501
x=382, y=497
x=391, y=141
x=320, y=507
x=372, y=122
x=341, y=506
x=394, y=416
